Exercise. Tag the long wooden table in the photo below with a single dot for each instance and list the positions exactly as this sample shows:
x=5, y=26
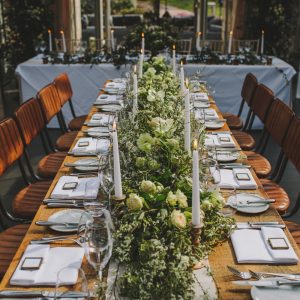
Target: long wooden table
x=222, y=255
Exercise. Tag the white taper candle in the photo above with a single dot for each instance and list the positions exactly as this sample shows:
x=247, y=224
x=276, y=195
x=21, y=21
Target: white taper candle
x=50, y=40
x=196, y=218
x=187, y=120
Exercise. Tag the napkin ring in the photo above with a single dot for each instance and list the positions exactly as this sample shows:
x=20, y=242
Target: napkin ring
x=196, y=235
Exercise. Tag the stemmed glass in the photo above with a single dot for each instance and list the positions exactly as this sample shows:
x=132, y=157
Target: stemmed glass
x=209, y=173
x=108, y=183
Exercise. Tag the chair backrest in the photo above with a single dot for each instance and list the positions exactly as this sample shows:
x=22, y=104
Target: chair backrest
x=49, y=101
x=214, y=45
x=30, y=120
x=249, y=87
x=278, y=120
x=261, y=102
x=184, y=46
x=11, y=144
x=64, y=88
x=239, y=45
x=291, y=144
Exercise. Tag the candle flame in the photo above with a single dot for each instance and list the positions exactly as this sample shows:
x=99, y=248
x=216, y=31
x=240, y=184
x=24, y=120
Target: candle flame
x=112, y=30
x=195, y=144
x=186, y=83
x=174, y=47
x=262, y=32
x=181, y=63
x=231, y=32
x=114, y=126
x=49, y=30
x=143, y=35
x=142, y=51
x=61, y=32
x=199, y=33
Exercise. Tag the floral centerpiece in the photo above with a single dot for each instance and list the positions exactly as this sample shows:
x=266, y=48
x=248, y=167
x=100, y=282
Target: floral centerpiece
x=153, y=237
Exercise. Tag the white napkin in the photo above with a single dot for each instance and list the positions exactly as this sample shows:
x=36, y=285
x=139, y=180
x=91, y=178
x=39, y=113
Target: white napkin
x=54, y=260
x=199, y=97
x=99, y=119
x=250, y=247
x=95, y=146
x=215, y=140
x=104, y=98
x=287, y=255
x=209, y=114
x=86, y=188
x=116, y=85
x=228, y=179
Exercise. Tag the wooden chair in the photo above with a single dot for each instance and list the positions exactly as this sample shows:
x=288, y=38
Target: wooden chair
x=184, y=46
x=50, y=103
x=213, y=45
x=28, y=200
x=31, y=124
x=251, y=45
x=65, y=92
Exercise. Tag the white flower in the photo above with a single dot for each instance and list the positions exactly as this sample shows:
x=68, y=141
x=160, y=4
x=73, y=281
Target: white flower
x=178, y=219
x=171, y=199
x=148, y=186
x=181, y=199
x=145, y=142
x=134, y=202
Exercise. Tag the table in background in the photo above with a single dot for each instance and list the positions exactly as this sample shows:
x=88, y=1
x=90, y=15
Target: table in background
x=227, y=81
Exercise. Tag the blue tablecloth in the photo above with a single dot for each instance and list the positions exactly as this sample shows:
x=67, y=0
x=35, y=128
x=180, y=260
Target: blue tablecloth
x=86, y=80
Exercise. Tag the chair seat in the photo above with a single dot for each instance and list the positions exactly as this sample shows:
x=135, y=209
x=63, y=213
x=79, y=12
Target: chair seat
x=294, y=229
x=49, y=165
x=245, y=140
x=65, y=141
x=10, y=240
x=77, y=123
x=234, y=122
x=275, y=191
x=260, y=164
x=29, y=199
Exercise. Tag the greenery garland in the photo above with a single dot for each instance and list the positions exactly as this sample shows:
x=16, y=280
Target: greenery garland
x=153, y=237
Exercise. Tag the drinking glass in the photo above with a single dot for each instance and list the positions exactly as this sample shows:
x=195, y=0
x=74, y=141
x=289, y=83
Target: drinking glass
x=209, y=173
x=229, y=194
x=81, y=284
x=108, y=183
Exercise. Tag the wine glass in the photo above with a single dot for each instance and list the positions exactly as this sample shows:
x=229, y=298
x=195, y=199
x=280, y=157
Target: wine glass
x=230, y=194
x=209, y=173
x=108, y=183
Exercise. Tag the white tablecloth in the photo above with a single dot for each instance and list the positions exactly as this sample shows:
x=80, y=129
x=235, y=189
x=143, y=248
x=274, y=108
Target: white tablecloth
x=226, y=80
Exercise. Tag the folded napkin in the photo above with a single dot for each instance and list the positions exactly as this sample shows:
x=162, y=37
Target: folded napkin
x=251, y=246
x=105, y=98
x=219, y=140
x=229, y=179
x=199, y=97
x=99, y=119
x=116, y=85
x=87, y=188
x=54, y=259
x=121, y=80
x=209, y=114
x=95, y=146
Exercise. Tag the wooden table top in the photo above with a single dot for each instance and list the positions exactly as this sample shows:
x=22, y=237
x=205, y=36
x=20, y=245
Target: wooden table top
x=222, y=255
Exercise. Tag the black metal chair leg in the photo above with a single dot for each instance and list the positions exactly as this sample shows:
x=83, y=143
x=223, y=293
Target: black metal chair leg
x=251, y=122
x=247, y=119
x=44, y=143
x=23, y=172
x=61, y=123
x=52, y=148
x=29, y=166
x=72, y=108
x=281, y=170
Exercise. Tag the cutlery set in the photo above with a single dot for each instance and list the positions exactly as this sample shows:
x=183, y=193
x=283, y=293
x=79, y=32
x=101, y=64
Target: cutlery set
x=43, y=295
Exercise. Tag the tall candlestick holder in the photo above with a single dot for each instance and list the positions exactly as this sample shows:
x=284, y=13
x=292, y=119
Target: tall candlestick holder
x=196, y=235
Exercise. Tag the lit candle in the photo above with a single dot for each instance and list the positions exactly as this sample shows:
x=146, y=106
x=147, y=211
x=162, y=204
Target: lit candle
x=262, y=42
x=174, y=59
x=63, y=41
x=50, y=40
x=196, y=219
x=198, y=41
x=187, y=119
x=135, y=92
x=112, y=40
x=117, y=169
x=143, y=42
x=141, y=64
x=182, y=77
x=230, y=42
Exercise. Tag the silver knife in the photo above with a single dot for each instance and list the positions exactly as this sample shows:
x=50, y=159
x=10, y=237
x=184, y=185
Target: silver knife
x=245, y=225
x=268, y=283
x=67, y=200
x=64, y=205
x=44, y=294
x=49, y=223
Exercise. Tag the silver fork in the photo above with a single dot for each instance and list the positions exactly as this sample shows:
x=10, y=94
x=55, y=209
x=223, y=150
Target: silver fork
x=79, y=241
x=263, y=275
x=242, y=275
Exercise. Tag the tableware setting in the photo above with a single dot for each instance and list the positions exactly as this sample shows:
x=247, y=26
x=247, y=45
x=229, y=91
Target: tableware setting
x=224, y=155
x=87, y=164
x=89, y=146
x=214, y=124
x=208, y=114
x=100, y=119
x=219, y=140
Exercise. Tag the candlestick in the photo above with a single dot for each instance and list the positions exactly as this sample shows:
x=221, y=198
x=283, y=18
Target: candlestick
x=141, y=64
x=230, y=42
x=135, y=92
x=50, y=40
x=63, y=41
x=262, y=42
x=112, y=40
x=187, y=120
x=196, y=219
x=198, y=41
x=182, y=77
x=174, y=59
x=143, y=42
x=117, y=169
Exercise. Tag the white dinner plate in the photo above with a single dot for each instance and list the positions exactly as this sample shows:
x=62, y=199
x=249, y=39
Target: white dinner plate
x=213, y=125
x=251, y=209
x=110, y=108
x=225, y=156
x=98, y=132
x=199, y=104
x=67, y=215
x=87, y=164
x=284, y=292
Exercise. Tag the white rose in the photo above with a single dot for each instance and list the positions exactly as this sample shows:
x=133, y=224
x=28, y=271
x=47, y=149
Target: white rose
x=171, y=199
x=134, y=202
x=148, y=186
x=181, y=199
x=178, y=219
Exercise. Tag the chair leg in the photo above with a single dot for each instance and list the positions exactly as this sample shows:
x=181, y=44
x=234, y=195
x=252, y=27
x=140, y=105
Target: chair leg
x=61, y=123
x=30, y=168
x=247, y=119
x=23, y=172
x=251, y=122
x=294, y=209
x=52, y=148
x=264, y=144
x=281, y=170
x=241, y=108
x=72, y=108
x=277, y=166
x=44, y=143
